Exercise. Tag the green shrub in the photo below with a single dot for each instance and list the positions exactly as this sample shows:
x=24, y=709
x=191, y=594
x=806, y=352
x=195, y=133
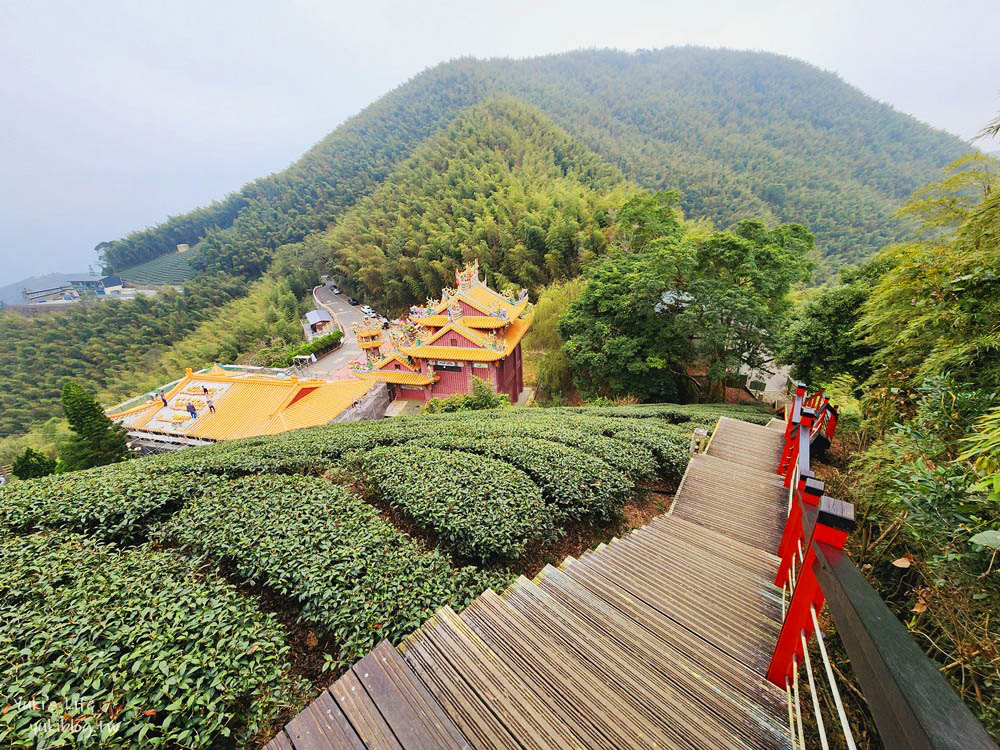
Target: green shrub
x=574, y=484
x=32, y=464
x=137, y=647
x=482, y=397
x=354, y=575
x=114, y=503
x=481, y=508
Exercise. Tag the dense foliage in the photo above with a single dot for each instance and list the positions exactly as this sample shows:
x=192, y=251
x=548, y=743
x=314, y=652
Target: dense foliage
x=674, y=303
x=32, y=464
x=131, y=648
x=115, y=503
x=913, y=353
x=502, y=184
x=354, y=575
x=574, y=485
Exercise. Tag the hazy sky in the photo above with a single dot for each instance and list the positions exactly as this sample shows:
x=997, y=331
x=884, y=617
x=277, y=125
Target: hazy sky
x=116, y=115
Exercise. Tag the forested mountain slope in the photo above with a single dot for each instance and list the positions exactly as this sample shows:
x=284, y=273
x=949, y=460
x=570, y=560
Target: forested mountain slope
x=739, y=133
x=501, y=184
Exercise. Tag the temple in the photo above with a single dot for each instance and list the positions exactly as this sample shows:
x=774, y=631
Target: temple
x=246, y=404
x=434, y=353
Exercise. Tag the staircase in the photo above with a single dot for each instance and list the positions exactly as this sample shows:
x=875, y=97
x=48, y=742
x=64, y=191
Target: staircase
x=660, y=639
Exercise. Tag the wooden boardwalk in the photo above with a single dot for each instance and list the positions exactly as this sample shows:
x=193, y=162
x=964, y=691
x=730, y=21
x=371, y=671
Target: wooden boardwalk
x=660, y=639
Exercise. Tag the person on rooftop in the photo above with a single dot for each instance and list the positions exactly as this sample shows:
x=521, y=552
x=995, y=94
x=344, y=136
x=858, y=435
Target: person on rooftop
x=192, y=411
x=163, y=398
x=211, y=405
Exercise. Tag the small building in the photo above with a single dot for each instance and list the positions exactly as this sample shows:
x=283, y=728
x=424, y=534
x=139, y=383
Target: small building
x=434, y=353
x=247, y=404
x=319, y=321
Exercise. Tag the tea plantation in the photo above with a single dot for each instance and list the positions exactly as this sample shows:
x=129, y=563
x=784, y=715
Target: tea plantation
x=129, y=615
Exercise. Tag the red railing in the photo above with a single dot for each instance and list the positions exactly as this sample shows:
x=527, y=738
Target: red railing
x=912, y=704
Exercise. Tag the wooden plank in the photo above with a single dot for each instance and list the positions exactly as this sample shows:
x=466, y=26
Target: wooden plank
x=667, y=691
x=474, y=718
x=363, y=714
x=650, y=633
x=532, y=717
x=280, y=742
x=585, y=701
x=416, y=720
x=322, y=726
x=614, y=584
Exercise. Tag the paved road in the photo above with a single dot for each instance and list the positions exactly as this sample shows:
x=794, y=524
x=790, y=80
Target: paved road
x=334, y=365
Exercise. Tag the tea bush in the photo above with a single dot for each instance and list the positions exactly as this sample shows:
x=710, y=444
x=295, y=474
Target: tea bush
x=573, y=483
x=114, y=503
x=677, y=413
x=135, y=649
x=354, y=575
x=480, y=508
x=633, y=461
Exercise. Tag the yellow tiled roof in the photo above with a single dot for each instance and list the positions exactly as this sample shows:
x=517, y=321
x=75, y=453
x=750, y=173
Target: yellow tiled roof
x=511, y=338
x=246, y=406
x=469, y=321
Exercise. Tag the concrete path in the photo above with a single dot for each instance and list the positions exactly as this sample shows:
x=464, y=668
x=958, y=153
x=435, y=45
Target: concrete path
x=334, y=366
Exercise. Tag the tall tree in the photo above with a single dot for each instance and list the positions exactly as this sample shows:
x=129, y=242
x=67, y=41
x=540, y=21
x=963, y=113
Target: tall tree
x=96, y=440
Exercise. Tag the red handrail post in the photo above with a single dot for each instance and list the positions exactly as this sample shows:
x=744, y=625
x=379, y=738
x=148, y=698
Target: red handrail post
x=799, y=441
x=828, y=523
x=831, y=422
x=809, y=491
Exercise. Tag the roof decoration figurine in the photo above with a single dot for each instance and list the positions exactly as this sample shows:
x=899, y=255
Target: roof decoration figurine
x=466, y=277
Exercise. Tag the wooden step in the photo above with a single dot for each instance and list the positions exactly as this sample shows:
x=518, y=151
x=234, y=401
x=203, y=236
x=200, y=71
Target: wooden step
x=586, y=701
x=668, y=692
x=485, y=696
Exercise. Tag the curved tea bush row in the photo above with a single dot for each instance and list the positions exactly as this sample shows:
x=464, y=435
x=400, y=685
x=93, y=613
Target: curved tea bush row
x=138, y=648
x=677, y=413
x=668, y=443
x=634, y=461
x=481, y=508
x=574, y=484
x=114, y=503
x=354, y=574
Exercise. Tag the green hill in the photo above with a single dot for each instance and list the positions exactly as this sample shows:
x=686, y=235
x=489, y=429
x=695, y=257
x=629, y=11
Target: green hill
x=501, y=184
x=739, y=133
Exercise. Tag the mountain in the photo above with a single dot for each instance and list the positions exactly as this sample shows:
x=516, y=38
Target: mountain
x=738, y=133
x=502, y=184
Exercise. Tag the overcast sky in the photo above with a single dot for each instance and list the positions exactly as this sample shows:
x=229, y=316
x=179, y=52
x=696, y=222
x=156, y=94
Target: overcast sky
x=116, y=115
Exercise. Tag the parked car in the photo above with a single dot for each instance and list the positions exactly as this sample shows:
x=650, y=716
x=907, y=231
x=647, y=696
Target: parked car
x=334, y=289
x=352, y=301
x=366, y=310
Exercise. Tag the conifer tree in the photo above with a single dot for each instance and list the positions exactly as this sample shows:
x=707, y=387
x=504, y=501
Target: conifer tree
x=96, y=440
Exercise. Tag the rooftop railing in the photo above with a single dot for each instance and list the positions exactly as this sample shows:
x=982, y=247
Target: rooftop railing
x=912, y=704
